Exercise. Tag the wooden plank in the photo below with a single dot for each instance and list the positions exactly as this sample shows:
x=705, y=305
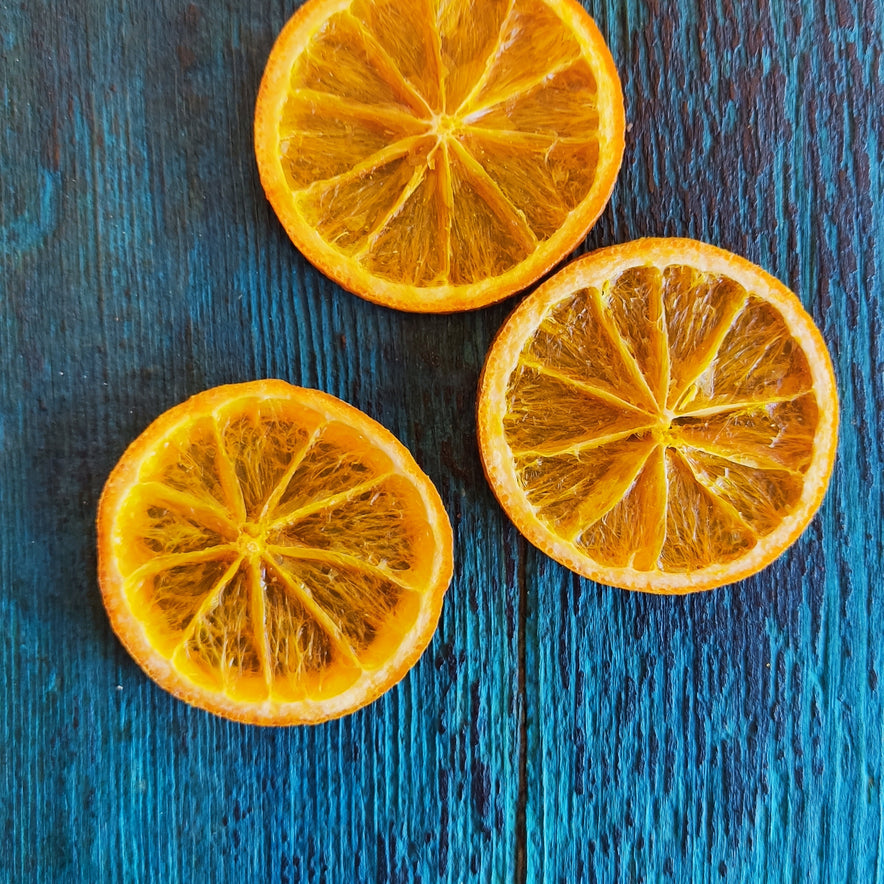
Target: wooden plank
x=154, y=268
x=735, y=735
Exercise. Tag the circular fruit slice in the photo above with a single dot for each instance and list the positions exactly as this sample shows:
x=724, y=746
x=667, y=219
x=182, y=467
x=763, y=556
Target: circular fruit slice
x=271, y=554
x=660, y=415
x=438, y=156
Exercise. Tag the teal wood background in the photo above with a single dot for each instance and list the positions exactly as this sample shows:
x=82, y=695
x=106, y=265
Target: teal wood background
x=555, y=730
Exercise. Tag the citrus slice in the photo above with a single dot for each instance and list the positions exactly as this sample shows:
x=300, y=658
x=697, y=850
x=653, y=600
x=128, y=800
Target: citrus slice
x=660, y=416
x=271, y=554
x=438, y=155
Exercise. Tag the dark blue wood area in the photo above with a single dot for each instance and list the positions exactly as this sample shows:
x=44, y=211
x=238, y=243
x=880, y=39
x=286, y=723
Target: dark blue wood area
x=555, y=730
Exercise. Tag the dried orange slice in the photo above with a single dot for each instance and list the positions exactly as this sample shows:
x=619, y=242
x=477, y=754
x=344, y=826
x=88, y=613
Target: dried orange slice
x=660, y=415
x=438, y=156
x=271, y=554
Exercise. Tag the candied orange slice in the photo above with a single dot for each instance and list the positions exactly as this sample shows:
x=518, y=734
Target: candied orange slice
x=271, y=554
x=660, y=415
x=438, y=156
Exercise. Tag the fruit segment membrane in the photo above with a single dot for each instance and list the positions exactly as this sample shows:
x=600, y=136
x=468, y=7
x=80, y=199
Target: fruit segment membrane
x=440, y=147
x=675, y=407
x=271, y=554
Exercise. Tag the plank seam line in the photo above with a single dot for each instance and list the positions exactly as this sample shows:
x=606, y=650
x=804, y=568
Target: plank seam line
x=520, y=866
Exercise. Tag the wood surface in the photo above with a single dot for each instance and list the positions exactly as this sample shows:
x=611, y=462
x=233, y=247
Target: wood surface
x=555, y=730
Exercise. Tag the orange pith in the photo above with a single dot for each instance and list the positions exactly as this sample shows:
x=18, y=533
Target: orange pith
x=438, y=155
x=271, y=554
x=660, y=416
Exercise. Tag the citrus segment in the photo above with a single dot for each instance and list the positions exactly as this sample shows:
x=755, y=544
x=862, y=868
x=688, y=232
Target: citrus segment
x=391, y=252
x=411, y=42
x=630, y=534
x=512, y=72
x=371, y=522
x=271, y=554
x=221, y=649
x=260, y=441
x=768, y=435
x=757, y=360
x=317, y=147
x=701, y=531
x=176, y=588
x=699, y=309
x=548, y=414
x=178, y=466
x=578, y=325
x=438, y=156
x=344, y=60
x=561, y=104
x=488, y=234
x=597, y=478
x=310, y=658
x=634, y=301
x=762, y=497
x=469, y=38
x=542, y=178
x=660, y=415
x=343, y=209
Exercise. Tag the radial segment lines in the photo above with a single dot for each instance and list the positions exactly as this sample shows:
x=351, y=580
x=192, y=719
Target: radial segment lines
x=448, y=133
x=669, y=404
x=261, y=582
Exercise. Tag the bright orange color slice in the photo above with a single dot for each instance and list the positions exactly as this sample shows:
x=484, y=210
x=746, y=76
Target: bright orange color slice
x=660, y=415
x=271, y=554
x=438, y=155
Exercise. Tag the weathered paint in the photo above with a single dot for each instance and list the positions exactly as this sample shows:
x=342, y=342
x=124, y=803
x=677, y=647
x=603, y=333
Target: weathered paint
x=555, y=730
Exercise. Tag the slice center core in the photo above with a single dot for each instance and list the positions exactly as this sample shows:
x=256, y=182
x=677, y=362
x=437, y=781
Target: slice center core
x=666, y=430
x=444, y=125
x=251, y=539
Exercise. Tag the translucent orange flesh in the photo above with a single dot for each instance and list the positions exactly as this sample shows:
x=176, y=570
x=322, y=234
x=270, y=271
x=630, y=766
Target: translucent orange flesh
x=440, y=145
x=663, y=422
x=272, y=554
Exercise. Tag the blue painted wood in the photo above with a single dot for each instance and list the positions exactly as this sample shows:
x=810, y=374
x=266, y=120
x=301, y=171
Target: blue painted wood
x=554, y=730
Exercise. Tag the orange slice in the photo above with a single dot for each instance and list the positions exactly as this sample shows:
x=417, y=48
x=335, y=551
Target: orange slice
x=271, y=554
x=660, y=415
x=438, y=156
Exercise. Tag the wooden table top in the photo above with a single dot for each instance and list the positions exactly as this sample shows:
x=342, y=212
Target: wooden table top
x=555, y=730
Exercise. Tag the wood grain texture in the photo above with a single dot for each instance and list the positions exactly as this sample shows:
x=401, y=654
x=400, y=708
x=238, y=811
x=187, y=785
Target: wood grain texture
x=555, y=730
